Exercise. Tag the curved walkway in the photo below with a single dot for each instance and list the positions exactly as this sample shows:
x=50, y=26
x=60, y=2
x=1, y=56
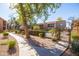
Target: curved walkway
x=24, y=48
x=32, y=50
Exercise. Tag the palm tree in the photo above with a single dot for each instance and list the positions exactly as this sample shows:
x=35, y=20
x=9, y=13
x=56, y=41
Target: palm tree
x=27, y=12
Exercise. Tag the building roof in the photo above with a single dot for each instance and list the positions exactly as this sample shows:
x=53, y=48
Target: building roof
x=2, y=19
x=51, y=22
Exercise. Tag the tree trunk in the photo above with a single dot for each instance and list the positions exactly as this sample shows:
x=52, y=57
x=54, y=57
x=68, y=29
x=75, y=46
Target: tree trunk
x=27, y=32
x=59, y=33
x=24, y=18
x=69, y=37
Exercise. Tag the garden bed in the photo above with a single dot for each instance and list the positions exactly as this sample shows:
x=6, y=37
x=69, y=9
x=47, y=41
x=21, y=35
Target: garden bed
x=4, y=49
x=43, y=42
x=40, y=42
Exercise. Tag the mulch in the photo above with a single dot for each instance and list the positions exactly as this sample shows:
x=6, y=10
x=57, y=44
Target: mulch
x=5, y=51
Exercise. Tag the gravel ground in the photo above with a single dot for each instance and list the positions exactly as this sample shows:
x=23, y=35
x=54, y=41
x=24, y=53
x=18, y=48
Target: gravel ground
x=4, y=48
x=69, y=52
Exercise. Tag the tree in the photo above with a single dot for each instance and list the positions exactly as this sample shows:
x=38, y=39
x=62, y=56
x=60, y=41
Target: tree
x=24, y=17
x=70, y=24
x=59, y=19
x=11, y=22
x=27, y=12
x=58, y=32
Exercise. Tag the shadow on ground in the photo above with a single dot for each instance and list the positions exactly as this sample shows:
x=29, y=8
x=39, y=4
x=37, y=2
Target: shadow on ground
x=11, y=51
x=44, y=51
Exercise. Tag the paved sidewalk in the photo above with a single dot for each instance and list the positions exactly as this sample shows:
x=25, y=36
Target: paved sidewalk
x=24, y=48
x=32, y=50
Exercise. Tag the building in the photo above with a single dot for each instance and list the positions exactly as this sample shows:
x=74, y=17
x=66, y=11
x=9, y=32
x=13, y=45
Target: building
x=54, y=24
x=2, y=24
x=76, y=26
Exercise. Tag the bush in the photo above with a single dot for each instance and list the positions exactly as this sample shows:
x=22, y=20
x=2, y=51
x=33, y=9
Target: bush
x=36, y=27
x=52, y=30
x=11, y=43
x=75, y=43
x=74, y=34
x=55, y=34
x=17, y=31
x=41, y=34
x=5, y=34
x=37, y=32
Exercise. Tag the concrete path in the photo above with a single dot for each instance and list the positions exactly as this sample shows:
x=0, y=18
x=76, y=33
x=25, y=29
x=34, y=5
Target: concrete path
x=24, y=48
x=32, y=50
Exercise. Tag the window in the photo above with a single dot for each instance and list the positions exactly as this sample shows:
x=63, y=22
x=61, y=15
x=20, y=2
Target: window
x=4, y=28
x=61, y=24
x=50, y=25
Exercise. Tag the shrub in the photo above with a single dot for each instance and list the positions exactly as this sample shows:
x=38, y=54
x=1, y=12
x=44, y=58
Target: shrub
x=74, y=34
x=52, y=30
x=5, y=34
x=17, y=31
x=75, y=38
x=37, y=32
x=11, y=43
x=41, y=34
x=36, y=27
x=55, y=34
x=75, y=43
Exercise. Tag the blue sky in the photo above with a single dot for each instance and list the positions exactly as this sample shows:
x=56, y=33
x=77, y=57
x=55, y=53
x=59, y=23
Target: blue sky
x=66, y=10
x=5, y=11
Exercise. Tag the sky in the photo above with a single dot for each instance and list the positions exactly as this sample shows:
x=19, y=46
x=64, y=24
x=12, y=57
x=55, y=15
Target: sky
x=5, y=11
x=65, y=11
